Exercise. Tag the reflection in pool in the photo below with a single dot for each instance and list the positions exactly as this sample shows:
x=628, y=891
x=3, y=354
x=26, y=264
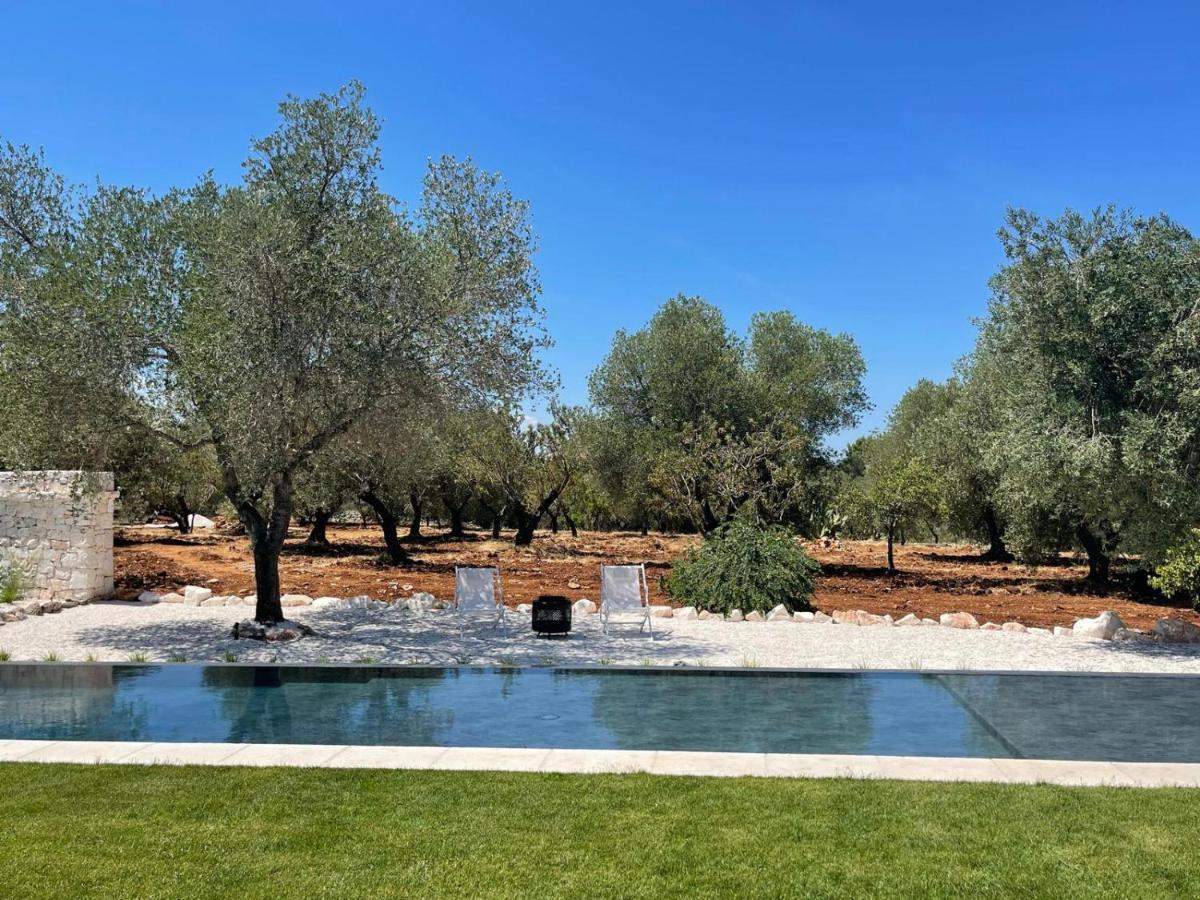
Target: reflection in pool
x=884, y=713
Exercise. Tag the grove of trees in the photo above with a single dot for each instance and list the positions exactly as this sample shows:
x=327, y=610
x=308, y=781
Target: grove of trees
x=300, y=345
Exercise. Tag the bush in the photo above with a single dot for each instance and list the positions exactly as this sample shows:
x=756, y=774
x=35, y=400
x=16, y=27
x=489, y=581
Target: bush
x=12, y=581
x=744, y=567
x=1179, y=576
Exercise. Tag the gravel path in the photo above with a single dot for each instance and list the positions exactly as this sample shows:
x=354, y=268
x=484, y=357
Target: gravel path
x=163, y=632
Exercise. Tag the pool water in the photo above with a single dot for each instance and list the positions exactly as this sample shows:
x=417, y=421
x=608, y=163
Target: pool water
x=1094, y=717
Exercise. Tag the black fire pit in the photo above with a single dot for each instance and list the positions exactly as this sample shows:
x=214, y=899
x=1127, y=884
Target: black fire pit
x=551, y=615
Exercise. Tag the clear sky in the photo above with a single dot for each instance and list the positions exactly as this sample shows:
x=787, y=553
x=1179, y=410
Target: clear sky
x=847, y=161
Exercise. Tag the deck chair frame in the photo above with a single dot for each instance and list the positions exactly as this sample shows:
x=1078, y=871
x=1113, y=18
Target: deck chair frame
x=642, y=611
x=481, y=611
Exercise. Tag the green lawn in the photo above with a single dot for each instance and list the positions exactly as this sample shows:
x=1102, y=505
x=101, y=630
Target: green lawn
x=131, y=831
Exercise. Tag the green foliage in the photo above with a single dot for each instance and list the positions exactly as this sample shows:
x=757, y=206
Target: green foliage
x=702, y=425
x=741, y=566
x=894, y=493
x=1095, y=342
x=1179, y=574
x=13, y=580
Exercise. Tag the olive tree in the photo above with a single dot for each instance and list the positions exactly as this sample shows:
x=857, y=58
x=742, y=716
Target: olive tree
x=268, y=318
x=1096, y=325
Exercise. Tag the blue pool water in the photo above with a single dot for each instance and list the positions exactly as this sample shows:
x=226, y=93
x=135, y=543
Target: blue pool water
x=1113, y=717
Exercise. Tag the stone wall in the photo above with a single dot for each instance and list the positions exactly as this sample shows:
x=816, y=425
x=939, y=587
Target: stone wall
x=58, y=527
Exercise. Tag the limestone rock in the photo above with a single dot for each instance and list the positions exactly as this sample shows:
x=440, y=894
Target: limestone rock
x=1133, y=636
x=927, y=622
x=328, y=603
x=280, y=631
x=148, y=597
x=735, y=615
x=805, y=616
x=754, y=616
x=233, y=600
x=212, y=601
x=909, y=620
x=859, y=617
x=710, y=616
x=662, y=612
x=1177, y=631
x=1103, y=627
x=361, y=602
x=194, y=596
x=959, y=620
x=687, y=613
x=779, y=614
x=250, y=600
x=989, y=626
x=1014, y=626
x=1041, y=631
x=171, y=597
x=573, y=584
x=295, y=600
x=1060, y=631
x=821, y=618
x=583, y=607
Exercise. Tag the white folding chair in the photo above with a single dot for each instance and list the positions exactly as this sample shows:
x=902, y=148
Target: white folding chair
x=623, y=590
x=478, y=592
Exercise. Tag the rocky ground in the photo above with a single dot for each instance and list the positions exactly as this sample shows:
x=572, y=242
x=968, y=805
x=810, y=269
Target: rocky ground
x=410, y=632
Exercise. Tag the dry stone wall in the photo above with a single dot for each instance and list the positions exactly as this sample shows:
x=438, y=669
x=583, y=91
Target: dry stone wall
x=57, y=526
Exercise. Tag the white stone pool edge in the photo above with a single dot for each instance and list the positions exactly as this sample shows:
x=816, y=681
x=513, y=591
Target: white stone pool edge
x=654, y=762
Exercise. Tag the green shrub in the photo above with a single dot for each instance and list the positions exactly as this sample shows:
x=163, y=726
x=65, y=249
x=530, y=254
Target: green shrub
x=12, y=581
x=744, y=567
x=1179, y=575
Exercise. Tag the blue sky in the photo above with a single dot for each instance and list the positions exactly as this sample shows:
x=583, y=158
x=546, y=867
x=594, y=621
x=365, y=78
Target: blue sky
x=847, y=161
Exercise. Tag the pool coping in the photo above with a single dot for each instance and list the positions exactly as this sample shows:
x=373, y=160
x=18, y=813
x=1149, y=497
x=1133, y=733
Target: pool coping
x=752, y=671
x=577, y=761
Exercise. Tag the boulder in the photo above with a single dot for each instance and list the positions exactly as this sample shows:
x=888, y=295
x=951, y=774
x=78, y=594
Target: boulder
x=328, y=603
x=171, y=597
x=754, y=616
x=233, y=600
x=989, y=626
x=687, y=613
x=12, y=615
x=707, y=615
x=958, y=620
x=925, y=623
x=1103, y=627
x=1060, y=631
x=736, y=615
x=1013, y=626
x=662, y=612
x=194, y=596
x=1133, y=636
x=295, y=600
x=583, y=607
x=820, y=618
x=213, y=601
x=805, y=616
x=148, y=597
x=280, y=631
x=1035, y=630
x=1177, y=631
x=909, y=620
x=779, y=614
x=859, y=617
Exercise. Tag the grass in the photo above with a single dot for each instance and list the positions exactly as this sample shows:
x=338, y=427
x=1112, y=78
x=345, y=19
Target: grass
x=5, y=656
x=105, y=831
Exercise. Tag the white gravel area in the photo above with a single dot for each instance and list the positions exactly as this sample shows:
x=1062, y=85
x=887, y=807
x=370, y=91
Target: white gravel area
x=119, y=632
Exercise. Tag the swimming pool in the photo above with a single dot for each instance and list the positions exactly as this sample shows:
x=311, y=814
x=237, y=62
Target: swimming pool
x=1131, y=718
